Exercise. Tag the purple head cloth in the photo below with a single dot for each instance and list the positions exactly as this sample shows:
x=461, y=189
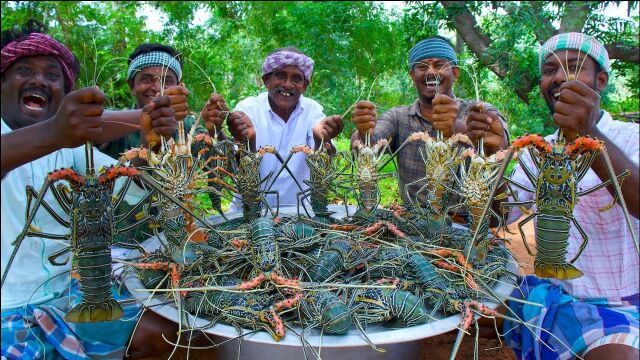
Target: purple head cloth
x=282, y=59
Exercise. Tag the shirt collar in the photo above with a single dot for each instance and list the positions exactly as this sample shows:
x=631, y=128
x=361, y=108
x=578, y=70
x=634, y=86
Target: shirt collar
x=299, y=107
x=415, y=108
x=5, y=128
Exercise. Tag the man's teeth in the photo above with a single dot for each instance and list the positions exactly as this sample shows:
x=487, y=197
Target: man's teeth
x=36, y=108
x=556, y=95
x=38, y=97
x=433, y=83
x=284, y=93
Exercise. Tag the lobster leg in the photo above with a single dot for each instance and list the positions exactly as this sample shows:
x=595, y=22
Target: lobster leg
x=585, y=239
x=31, y=193
x=623, y=204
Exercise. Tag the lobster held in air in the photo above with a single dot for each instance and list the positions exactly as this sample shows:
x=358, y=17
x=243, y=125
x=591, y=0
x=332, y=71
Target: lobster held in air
x=560, y=168
x=92, y=227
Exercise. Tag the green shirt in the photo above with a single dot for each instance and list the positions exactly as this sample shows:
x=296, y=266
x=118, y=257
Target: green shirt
x=115, y=148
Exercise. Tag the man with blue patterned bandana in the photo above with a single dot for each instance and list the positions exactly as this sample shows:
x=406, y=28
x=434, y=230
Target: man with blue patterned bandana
x=152, y=68
x=433, y=67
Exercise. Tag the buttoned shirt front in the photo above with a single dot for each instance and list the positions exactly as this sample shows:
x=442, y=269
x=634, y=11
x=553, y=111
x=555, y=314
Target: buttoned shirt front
x=610, y=260
x=272, y=130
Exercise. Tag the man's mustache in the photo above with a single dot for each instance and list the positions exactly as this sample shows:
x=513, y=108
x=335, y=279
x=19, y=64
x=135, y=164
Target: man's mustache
x=36, y=89
x=282, y=89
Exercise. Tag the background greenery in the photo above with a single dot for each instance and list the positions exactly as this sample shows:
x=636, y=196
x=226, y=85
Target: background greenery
x=360, y=48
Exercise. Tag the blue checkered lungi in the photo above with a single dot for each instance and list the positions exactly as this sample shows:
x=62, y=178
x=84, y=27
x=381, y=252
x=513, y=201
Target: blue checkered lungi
x=36, y=331
x=570, y=325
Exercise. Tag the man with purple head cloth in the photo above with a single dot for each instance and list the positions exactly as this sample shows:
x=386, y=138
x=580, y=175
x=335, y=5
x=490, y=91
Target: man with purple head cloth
x=44, y=125
x=594, y=316
x=281, y=117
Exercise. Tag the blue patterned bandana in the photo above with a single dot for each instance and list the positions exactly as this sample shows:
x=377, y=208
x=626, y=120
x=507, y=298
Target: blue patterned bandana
x=154, y=58
x=432, y=48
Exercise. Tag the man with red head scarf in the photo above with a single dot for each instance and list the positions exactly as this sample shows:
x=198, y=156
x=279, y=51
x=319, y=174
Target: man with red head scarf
x=44, y=123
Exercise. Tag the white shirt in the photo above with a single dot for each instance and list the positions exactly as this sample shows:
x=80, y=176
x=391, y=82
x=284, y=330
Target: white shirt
x=32, y=278
x=610, y=260
x=274, y=131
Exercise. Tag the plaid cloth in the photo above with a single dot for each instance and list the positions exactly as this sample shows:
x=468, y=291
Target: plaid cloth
x=434, y=47
x=576, y=325
x=398, y=124
x=282, y=59
x=154, y=58
x=39, y=331
x=576, y=41
x=609, y=261
x=36, y=44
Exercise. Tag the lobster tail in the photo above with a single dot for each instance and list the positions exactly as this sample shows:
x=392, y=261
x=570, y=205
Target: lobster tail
x=84, y=312
x=564, y=271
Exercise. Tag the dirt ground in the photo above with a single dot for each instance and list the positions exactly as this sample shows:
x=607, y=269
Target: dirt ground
x=440, y=347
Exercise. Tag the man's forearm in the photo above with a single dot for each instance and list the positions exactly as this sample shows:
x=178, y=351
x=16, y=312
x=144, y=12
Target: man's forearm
x=118, y=124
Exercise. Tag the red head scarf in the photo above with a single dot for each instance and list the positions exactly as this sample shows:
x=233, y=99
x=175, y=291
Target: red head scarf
x=36, y=44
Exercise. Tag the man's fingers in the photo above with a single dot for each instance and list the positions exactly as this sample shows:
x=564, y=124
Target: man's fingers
x=445, y=108
x=92, y=110
x=477, y=125
x=159, y=101
x=176, y=90
x=180, y=107
x=442, y=100
x=178, y=99
x=578, y=87
x=363, y=112
x=476, y=134
x=162, y=112
x=363, y=104
x=562, y=108
x=88, y=96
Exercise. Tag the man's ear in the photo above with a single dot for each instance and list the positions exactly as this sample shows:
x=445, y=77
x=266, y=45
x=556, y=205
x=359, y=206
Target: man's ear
x=265, y=78
x=130, y=82
x=306, y=84
x=602, y=79
x=456, y=72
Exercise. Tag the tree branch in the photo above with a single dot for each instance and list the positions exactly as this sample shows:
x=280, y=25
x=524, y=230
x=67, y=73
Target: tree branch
x=546, y=30
x=623, y=52
x=466, y=25
x=574, y=17
x=467, y=28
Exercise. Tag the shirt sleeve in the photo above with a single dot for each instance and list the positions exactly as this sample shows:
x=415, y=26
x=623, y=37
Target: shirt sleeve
x=387, y=128
x=505, y=126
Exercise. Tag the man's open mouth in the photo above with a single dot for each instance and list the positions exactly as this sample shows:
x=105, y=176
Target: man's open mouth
x=432, y=82
x=35, y=102
x=285, y=93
